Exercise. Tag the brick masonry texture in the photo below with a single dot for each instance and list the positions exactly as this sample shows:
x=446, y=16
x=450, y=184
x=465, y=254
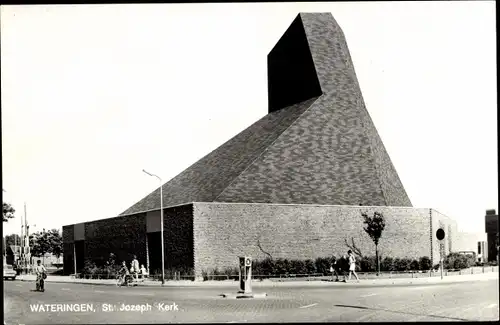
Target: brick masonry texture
x=224, y=231
x=332, y=154
x=123, y=237
x=179, y=240
x=323, y=150
x=208, y=177
x=126, y=236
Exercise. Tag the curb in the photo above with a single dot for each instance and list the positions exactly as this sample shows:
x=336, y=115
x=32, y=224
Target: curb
x=244, y=296
x=317, y=284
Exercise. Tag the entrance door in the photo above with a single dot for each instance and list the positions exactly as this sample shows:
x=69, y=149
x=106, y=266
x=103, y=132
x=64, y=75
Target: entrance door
x=154, y=248
x=80, y=254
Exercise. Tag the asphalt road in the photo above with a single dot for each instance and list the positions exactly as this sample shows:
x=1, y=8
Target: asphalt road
x=469, y=301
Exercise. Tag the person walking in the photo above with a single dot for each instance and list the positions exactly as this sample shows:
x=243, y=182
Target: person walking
x=334, y=269
x=352, y=265
x=343, y=267
x=135, y=267
x=41, y=274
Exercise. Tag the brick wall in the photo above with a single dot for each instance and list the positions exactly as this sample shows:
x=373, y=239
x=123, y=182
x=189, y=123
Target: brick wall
x=178, y=232
x=127, y=236
x=123, y=237
x=223, y=232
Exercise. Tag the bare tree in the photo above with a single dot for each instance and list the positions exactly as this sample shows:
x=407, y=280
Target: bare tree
x=353, y=247
x=263, y=251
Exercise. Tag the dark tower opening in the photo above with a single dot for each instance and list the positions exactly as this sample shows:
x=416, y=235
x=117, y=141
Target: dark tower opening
x=291, y=74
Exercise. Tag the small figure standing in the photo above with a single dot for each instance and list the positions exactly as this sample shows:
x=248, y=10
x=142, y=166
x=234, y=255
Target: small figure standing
x=41, y=274
x=135, y=267
x=144, y=272
x=352, y=265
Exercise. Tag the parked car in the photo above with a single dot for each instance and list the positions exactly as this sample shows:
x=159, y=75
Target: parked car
x=8, y=272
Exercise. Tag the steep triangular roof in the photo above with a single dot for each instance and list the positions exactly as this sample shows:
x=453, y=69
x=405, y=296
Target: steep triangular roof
x=317, y=145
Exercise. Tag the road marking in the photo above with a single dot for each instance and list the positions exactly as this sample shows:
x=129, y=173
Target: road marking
x=370, y=295
x=144, y=294
x=491, y=306
x=236, y=321
x=420, y=288
x=99, y=291
x=18, y=285
x=311, y=305
x=65, y=289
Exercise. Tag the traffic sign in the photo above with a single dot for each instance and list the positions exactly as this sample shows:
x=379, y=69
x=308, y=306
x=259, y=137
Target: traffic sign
x=440, y=234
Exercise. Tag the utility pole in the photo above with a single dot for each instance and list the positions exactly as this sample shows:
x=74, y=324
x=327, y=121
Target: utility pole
x=74, y=256
x=21, y=253
x=27, y=240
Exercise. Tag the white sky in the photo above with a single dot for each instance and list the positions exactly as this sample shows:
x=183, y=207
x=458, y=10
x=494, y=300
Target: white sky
x=93, y=94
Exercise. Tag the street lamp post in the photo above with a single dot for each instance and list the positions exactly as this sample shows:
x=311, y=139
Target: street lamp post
x=161, y=230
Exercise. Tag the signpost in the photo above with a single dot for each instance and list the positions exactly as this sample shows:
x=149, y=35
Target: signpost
x=440, y=234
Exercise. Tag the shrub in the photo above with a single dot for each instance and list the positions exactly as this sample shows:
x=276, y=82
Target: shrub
x=281, y=266
x=213, y=274
x=264, y=267
x=231, y=271
x=424, y=263
x=461, y=263
x=89, y=268
x=323, y=265
x=387, y=264
x=368, y=264
x=402, y=264
x=269, y=267
x=310, y=267
x=414, y=265
x=458, y=261
x=298, y=267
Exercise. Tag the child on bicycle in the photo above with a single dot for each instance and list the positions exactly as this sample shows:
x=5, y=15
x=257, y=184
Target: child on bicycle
x=124, y=274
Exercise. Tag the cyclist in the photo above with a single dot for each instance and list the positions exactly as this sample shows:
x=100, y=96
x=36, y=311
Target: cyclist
x=40, y=272
x=124, y=275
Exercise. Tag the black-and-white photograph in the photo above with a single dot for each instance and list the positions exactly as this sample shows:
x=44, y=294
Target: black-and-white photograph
x=249, y=162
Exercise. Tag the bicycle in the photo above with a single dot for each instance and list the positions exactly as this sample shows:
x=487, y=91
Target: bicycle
x=124, y=279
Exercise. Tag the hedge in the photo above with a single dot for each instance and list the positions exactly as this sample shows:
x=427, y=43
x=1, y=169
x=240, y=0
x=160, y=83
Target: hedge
x=280, y=266
x=321, y=265
x=111, y=269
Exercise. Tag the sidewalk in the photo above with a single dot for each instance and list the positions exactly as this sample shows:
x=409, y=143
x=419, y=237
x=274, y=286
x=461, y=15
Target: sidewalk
x=435, y=279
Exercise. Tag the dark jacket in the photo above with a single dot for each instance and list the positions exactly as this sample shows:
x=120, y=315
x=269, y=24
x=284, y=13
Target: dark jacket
x=343, y=265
